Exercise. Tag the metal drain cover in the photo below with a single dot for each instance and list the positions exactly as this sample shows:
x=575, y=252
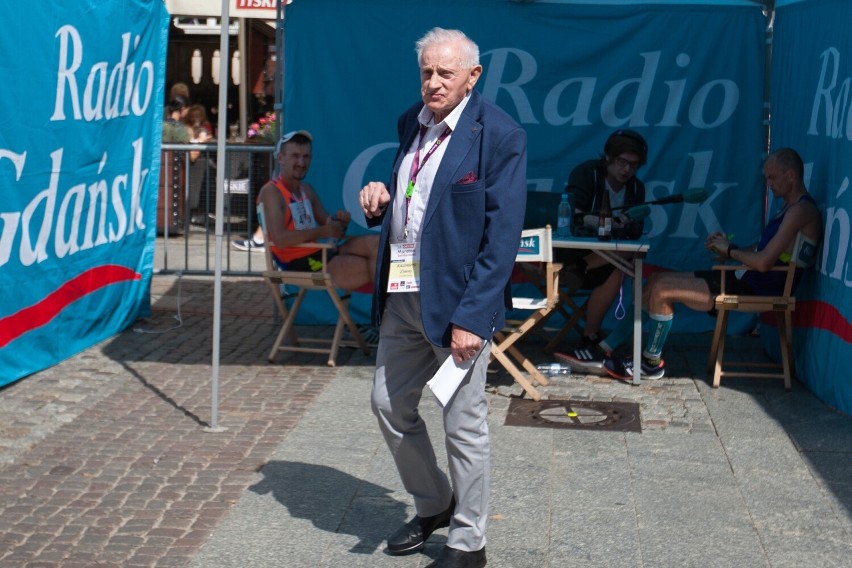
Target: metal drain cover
x=575, y=414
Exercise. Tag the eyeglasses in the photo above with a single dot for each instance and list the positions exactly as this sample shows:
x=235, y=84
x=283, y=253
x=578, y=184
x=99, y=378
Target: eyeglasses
x=625, y=164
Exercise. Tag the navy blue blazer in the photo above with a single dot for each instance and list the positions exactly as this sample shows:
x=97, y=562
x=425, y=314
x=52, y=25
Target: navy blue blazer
x=470, y=231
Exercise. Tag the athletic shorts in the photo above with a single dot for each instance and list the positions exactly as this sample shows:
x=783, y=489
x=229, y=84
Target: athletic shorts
x=590, y=278
x=310, y=263
x=733, y=285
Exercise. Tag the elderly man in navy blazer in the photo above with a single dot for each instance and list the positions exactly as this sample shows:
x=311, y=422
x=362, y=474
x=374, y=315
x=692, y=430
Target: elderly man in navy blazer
x=451, y=223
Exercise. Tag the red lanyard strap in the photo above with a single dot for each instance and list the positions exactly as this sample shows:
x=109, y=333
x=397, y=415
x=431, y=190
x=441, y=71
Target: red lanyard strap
x=416, y=164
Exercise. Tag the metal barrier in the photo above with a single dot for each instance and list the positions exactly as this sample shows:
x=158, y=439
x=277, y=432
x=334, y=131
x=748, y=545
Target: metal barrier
x=186, y=207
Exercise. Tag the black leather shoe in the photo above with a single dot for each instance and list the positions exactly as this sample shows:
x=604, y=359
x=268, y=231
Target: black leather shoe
x=455, y=558
x=413, y=534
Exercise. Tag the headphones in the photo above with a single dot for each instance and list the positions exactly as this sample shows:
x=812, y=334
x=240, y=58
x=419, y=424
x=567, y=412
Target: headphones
x=633, y=135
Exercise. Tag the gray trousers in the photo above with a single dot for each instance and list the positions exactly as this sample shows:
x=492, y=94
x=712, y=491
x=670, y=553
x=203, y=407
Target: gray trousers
x=404, y=362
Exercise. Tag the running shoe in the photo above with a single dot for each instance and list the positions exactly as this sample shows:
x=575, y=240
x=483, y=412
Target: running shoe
x=248, y=244
x=622, y=368
x=588, y=355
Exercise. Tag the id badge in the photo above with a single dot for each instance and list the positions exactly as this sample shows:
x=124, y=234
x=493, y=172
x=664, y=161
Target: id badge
x=404, y=267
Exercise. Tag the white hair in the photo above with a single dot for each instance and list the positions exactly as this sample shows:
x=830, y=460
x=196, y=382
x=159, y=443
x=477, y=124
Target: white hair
x=468, y=52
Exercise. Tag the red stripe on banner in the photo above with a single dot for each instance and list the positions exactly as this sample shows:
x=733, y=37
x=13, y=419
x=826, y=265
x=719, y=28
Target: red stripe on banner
x=37, y=315
x=818, y=315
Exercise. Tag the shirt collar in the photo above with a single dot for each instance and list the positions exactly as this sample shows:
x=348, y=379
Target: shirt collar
x=426, y=118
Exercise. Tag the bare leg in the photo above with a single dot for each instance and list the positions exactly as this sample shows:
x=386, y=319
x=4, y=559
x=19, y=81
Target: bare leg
x=600, y=301
x=364, y=246
x=355, y=264
x=601, y=297
x=659, y=296
x=665, y=289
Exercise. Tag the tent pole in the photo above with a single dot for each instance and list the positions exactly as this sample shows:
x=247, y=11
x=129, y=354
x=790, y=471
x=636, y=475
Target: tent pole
x=244, y=59
x=221, y=158
x=278, y=105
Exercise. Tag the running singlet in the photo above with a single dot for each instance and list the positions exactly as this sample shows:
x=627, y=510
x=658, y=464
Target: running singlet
x=297, y=215
x=771, y=283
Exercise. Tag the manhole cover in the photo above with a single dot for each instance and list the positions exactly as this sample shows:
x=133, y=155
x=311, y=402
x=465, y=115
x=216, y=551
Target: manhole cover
x=575, y=414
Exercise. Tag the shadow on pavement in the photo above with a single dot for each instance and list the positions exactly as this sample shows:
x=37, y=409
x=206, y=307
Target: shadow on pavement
x=334, y=501
x=180, y=328
x=821, y=435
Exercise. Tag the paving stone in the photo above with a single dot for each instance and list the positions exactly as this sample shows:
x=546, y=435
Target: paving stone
x=105, y=460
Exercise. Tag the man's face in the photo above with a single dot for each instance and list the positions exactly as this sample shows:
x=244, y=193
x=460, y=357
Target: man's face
x=295, y=159
x=443, y=81
x=620, y=169
x=778, y=181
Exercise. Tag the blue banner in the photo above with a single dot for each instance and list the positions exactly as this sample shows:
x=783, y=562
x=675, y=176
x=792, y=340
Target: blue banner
x=688, y=77
x=79, y=161
x=812, y=112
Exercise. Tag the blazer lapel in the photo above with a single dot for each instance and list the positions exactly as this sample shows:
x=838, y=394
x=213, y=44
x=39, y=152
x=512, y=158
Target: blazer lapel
x=467, y=131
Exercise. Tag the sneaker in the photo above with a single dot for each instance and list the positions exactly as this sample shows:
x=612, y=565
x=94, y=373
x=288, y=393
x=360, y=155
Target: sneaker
x=248, y=244
x=622, y=368
x=588, y=355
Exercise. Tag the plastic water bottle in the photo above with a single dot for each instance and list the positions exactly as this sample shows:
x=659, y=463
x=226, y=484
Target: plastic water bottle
x=563, y=217
x=554, y=369
x=605, y=219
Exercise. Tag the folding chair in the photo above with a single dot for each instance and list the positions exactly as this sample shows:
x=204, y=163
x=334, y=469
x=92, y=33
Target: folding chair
x=277, y=279
x=535, y=246
x=575, y=315
x=804, y=255
x=540, y=210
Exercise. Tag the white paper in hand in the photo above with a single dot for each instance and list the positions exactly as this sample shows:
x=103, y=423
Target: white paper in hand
x=446, y=381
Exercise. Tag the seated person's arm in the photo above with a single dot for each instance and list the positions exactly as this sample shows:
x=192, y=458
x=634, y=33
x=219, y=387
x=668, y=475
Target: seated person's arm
x=582, y=186
x=802, y=216
x=275, y=212
x=322, y=216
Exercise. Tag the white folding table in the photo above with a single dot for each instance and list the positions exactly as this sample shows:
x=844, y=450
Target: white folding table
x=609, y=250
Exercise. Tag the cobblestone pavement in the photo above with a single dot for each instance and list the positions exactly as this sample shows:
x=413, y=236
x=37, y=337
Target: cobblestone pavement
x=105, y=459
x=108, y=459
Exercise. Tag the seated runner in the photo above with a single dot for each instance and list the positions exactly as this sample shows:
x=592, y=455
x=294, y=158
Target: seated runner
x=784, y=173
x=294, y=215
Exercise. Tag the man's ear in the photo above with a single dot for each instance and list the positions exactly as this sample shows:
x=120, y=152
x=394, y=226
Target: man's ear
x=475, y=72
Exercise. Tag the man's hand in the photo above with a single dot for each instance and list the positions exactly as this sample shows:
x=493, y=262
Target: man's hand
x=718, y=243
x=464, y=344
x=374, y=198
x=335, y=229
x=343, y=216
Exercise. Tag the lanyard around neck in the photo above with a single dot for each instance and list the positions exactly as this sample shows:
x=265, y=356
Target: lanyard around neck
x=416, y=166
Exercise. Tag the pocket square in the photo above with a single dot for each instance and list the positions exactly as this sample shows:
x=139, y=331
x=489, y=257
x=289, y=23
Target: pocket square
x=469, y=177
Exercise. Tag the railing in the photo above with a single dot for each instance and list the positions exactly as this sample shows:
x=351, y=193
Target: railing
x=186, y=207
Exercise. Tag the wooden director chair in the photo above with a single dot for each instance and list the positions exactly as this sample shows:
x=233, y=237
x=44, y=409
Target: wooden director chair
x=571, y=306
x=540, y=211
x=278, y=279
x=574, y=313
x=804, y=256
x=535, y=246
